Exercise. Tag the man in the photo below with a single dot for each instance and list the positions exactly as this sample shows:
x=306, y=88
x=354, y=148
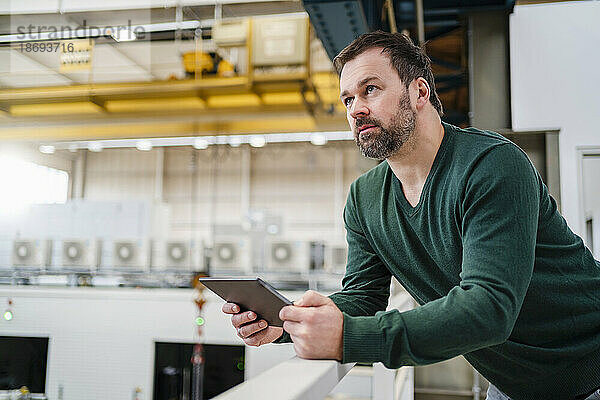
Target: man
x=463, y=220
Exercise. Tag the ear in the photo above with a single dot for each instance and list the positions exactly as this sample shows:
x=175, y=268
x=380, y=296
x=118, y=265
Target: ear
x=423, y=92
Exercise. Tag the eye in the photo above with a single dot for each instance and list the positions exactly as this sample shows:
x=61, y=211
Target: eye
x=348, y=101
x=369, y=89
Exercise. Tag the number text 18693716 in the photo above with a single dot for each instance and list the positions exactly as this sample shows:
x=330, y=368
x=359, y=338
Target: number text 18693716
x=46, y=47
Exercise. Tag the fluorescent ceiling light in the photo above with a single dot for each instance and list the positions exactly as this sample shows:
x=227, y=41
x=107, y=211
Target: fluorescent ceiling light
x=143, y=145
x=318, y=139
x=47, y=149
x=258, y=141
x=235, y=141
x=169, y=26
x=200, y=143
x=96, y=147
x=122, y=34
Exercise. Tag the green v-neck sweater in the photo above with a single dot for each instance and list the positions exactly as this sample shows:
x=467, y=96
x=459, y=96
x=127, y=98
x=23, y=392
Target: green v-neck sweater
x=500, y=277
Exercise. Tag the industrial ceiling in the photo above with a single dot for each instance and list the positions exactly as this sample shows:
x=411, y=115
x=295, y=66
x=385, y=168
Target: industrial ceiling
x=39, y=101
x=439, y=25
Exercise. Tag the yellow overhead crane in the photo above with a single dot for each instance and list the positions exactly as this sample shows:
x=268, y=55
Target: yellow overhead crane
x=204, y=105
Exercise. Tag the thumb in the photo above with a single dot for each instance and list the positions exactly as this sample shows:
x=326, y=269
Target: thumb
x=312, y=299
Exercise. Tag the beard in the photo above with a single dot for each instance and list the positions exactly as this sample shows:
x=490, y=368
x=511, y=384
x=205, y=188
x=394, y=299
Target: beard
x=382, y=144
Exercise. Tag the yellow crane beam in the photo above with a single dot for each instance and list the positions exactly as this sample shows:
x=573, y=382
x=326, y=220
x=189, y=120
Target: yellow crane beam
x=217, y=106
x=172, y=128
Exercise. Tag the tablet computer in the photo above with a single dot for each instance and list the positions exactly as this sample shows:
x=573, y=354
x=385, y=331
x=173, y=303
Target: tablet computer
x=251, y=294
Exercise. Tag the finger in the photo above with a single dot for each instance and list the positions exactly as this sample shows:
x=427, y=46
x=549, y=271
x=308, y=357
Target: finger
x=250, y=329
x=265, y=336
x=312, y=299
x=231, y=308
x=254, y=341
x=293, y=328
x=242, y=318
x=294, y=313
x=258, y=339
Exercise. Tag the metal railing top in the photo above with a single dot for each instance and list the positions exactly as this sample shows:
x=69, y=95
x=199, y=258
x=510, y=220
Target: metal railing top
x=290, y=380
x=299, y=379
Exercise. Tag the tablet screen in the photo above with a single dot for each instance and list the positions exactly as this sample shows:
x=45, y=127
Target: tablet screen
x=251, y=294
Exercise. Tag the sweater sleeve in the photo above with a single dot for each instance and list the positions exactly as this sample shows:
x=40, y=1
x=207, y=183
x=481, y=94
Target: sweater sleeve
x=499, y=211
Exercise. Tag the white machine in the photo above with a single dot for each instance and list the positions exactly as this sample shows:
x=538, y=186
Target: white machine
x=178, y=255
x=31, y=253
x=80, y=254
x=336, y=255
x=231, y=255
x=287, y=255
x=279, y=40
x=130, y=255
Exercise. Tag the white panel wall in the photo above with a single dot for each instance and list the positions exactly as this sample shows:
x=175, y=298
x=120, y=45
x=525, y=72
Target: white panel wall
x=81, y=220
x=304, y=184
x=120, y=174
x=299, y=183
x=102, y=340
x=86, y=219
x=554, y=82
x=216, y=177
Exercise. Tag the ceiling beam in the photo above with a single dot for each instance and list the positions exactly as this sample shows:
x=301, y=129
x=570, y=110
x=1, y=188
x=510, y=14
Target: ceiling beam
x=302, y=122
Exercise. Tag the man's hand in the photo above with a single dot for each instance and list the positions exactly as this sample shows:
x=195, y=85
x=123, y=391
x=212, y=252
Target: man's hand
x=253, y=333
x=316, y=326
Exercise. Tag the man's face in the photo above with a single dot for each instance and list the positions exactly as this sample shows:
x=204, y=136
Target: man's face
x=378, y=106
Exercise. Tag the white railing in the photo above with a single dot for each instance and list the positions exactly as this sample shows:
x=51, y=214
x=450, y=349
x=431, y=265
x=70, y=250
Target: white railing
x=395, y=384
x=404, y=385
x=299, y=379
x=295, y=379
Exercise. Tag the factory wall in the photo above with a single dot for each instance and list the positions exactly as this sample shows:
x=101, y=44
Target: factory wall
x=302, y=184
x=123, y=174
x=180, y=193
x=554, y=85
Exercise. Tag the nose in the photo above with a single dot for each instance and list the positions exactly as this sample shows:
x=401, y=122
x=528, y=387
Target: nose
x=358, y=109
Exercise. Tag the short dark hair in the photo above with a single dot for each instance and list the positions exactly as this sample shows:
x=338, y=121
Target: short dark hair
x=410, y=61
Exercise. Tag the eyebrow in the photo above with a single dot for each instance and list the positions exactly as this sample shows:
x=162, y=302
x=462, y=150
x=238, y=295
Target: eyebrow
x=361, y=83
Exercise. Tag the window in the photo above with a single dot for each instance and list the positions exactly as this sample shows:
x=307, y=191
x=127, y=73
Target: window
x=24, y=183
